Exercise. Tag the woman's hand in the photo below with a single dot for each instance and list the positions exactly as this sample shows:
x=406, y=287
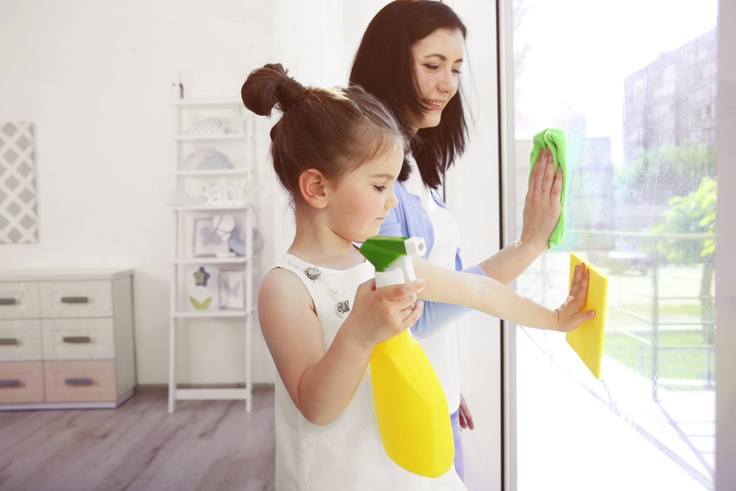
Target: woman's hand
x=542, y=204
x=570, y=314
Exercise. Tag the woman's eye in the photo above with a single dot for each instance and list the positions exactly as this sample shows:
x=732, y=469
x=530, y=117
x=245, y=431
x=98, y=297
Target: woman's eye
x=456, y=71
x=432, y=67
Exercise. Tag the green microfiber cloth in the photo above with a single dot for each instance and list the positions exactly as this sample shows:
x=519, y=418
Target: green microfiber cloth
x=554, y=138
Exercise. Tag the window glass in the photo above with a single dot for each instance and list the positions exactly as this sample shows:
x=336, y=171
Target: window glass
x=632, y=84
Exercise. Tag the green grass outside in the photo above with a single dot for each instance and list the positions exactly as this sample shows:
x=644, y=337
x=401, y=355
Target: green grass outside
x=666, y=309
x=692, y=364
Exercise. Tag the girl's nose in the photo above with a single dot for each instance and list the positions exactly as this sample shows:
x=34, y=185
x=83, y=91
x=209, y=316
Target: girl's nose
x=391, y=200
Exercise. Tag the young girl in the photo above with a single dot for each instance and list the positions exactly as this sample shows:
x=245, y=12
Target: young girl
x=338, y=152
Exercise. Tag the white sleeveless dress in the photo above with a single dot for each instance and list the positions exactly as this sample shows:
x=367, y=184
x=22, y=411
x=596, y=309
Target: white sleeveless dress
x=346, y=454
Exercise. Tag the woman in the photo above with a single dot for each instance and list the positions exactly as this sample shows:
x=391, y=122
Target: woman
x=410, y=57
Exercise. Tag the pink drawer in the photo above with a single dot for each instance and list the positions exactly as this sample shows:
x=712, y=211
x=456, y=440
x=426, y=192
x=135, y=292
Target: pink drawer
x=80, y=381
x=21, y=382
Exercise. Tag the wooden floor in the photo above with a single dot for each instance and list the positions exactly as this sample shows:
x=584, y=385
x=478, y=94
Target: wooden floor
x=204, y=445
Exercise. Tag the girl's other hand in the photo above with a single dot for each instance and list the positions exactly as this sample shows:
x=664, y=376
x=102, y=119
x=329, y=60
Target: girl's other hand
x=570, y=314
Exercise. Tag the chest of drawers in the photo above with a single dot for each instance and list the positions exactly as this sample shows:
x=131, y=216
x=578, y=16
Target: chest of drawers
x=66, y=339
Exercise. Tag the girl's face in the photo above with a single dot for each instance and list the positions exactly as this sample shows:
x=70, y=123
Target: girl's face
x=364, y=196
x=437, y=61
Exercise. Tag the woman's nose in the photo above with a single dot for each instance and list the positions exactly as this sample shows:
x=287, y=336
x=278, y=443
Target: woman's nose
x=448, y=81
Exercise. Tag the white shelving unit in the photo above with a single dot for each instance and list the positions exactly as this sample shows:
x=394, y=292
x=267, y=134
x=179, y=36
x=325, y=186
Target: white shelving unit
x=213, y=208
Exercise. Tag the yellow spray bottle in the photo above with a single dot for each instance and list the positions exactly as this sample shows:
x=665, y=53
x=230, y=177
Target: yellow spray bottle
x=411, y=406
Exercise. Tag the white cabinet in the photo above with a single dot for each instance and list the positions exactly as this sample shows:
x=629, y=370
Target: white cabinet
x=66, y=338
x=213, y=233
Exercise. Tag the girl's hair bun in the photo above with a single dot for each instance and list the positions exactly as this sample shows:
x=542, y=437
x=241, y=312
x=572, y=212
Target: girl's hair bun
x=269, y=87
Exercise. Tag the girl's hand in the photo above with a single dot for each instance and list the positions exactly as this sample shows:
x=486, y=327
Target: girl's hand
x=570, y=314
x=381, y=313
x=466, y=419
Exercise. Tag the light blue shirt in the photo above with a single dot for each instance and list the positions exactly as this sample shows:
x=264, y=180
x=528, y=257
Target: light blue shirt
x=410, y=219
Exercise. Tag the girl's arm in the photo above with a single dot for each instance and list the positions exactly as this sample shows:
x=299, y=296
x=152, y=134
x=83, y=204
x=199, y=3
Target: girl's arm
x=322, y=383
x=492, y=297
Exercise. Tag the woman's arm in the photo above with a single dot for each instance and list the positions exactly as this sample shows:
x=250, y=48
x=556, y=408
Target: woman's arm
x=322, y=383
x=541, y=213
x=492, y=297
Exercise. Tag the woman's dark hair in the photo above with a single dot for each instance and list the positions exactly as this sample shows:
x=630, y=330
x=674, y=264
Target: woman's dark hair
x=384, y=67
x=333, y=130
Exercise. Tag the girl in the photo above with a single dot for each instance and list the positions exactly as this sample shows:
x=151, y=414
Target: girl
x=410, y=57
x=338, y=152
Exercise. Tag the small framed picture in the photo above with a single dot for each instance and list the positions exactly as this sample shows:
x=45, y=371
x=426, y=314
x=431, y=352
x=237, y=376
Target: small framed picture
x=232, y=289
x=202, y=288
x=207, y=241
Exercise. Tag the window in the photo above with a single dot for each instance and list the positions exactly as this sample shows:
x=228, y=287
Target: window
x=632, y=84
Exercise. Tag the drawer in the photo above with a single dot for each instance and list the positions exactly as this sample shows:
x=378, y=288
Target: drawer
x=80, y=381
x=78, y=339
x=76, y=299
x=19, y=300
x=20, y=339
x=21, y=382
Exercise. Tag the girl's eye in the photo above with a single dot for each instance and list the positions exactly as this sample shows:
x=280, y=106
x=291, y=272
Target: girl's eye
x=380, y=189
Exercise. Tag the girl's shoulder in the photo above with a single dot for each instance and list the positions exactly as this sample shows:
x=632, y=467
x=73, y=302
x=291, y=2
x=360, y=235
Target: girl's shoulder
x=282, y=286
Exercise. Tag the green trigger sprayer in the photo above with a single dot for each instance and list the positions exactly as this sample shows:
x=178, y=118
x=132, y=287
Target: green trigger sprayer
x=413, y=417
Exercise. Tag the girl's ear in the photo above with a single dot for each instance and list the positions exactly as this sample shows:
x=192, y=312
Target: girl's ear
x=313, y=184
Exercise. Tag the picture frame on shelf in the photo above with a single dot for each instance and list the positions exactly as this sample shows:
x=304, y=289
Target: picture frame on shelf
x=202, y=288
x=231, y=289
x=207, y=242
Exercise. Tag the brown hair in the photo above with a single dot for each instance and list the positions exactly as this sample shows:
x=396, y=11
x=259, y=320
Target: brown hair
x=384, y=66
x=333, y=130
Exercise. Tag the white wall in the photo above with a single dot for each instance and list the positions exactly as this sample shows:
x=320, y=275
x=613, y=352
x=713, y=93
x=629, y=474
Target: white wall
x=95, y=79
x=726, y=258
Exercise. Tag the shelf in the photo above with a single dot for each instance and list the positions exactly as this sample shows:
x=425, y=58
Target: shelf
x=208, y=104
x=201, y=193
x=213, y=172
x=211, y=137
x=215, y=393
x=210, y=208
x=213, y=260
x=211, y=313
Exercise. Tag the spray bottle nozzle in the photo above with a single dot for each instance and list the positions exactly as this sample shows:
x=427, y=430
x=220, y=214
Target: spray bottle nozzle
x=390, y=256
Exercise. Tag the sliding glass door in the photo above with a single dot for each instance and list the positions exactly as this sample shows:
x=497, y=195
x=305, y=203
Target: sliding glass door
x=632, y=84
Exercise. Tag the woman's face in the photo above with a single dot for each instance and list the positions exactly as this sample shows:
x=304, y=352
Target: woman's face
x=437, y=61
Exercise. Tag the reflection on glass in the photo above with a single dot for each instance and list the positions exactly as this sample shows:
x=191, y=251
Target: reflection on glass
x=632, y=84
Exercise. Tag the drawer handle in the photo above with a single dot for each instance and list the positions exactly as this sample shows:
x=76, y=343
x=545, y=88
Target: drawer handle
x=9, y=383
x=9, y=342
x=74, y=299
x=76, y=339
x=7, y=301
x=78, y=381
